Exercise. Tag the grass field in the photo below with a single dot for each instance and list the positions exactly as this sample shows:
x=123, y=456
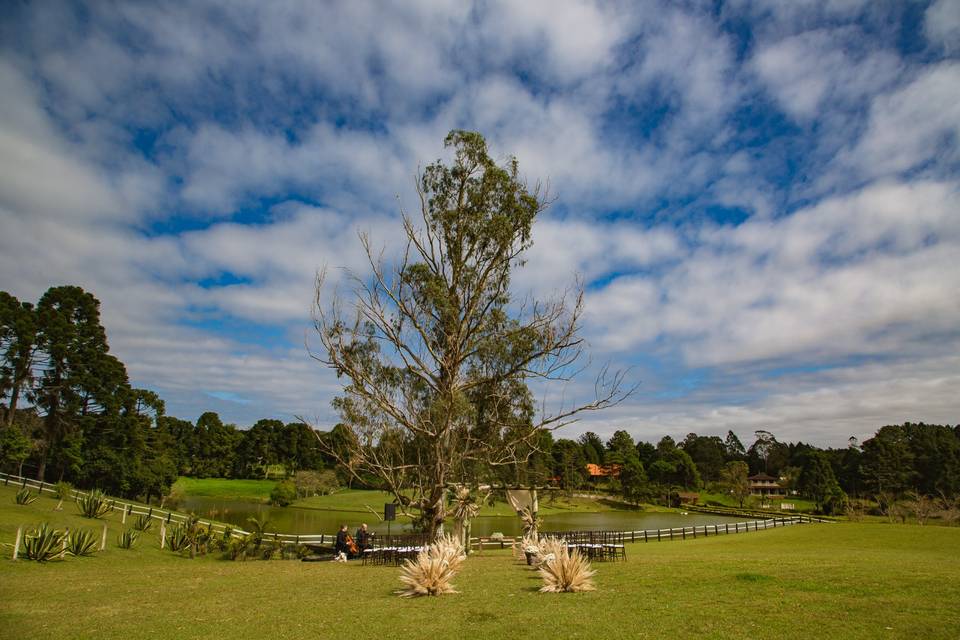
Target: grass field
x=809, y=581
x=358, y=499
x=252, y=490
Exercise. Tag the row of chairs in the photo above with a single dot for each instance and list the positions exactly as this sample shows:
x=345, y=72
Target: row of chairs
x=596, y=545
x=393, y=550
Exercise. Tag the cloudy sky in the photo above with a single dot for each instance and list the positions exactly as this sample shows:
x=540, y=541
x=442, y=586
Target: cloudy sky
x=761, y=198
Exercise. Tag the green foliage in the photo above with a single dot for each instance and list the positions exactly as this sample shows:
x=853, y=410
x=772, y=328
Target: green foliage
x=284, y=493
x=818, y=482
x=259, y=526
x=238, y=547
x=43, y=543
x=24, y=497
x=142, y=522
x=127, y=538
x=315, y=483
x=63, y=490
x=733, y=478
x=81, y=542
x=94, y=504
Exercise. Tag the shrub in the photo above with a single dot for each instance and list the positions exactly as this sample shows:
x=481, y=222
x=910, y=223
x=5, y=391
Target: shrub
x=564, y=570
x=25, y=497
x=430, y=574
x=315, y=483
x=81, y=542
x=142, y=522
x=127, y=538
x=283, y=493
x=43, y=544
x=94, y=504
x=62, y=490
x=238, y=547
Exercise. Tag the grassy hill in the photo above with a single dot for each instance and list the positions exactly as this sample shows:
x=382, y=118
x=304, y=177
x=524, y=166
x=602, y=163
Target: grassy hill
x=837, y=580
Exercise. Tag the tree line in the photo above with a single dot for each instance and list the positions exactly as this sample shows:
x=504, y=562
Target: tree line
x=68, y=411
x=912, y=458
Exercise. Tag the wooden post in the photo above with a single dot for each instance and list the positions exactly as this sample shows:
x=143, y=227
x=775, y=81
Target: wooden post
x=103, y=539
x=123, y=517
x=658, y=535
x=16, y=545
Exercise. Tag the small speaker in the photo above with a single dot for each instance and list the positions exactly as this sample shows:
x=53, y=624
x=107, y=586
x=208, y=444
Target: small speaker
x=389, y=511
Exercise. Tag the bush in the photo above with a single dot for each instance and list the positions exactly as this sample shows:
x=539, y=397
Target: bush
x=63, y=490
x=43, y=544
x=81, y=542
x=94, y=504
x=24, y=497
x=284, y=493
x=315, y=483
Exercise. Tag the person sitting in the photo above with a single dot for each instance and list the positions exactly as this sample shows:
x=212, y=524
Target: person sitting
x=363, y=538
x=342, y=546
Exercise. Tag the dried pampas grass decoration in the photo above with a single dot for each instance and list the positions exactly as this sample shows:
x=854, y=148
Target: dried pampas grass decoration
x=564, y=570
x=433, y=569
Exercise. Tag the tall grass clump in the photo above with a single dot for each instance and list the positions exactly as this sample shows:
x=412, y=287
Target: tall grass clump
x=81, y=542
x=43, y=544
x=431, y=573
x=25, y=497
x=94, y=504
x=564, y=570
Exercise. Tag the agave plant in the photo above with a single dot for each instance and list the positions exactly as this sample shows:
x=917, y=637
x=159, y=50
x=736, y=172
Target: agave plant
x=177, y=539
x=94, y=504
x=142, y=523
x=81, y=542
x=430, y=574
x=62, y=490
x=563, y=569
x=127, y=538
x=25, y=497
x=43, y=544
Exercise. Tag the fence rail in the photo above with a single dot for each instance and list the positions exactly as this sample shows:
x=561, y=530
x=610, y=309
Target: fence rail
x=644, y=535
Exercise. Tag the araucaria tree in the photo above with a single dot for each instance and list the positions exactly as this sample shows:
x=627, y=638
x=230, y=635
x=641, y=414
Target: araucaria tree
x=435, y=355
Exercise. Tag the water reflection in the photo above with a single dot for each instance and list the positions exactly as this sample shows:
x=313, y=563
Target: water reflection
x=299, y=520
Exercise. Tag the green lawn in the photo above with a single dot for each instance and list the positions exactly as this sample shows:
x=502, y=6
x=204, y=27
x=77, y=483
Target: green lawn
x=810, y=581
x=252, y=490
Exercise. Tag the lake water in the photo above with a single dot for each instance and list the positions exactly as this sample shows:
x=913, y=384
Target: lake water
x=299, y=520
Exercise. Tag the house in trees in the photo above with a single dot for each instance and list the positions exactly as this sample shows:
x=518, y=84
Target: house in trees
x=598, y=473
x=762, y=484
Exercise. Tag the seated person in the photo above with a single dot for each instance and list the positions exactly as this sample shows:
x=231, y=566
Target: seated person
x=364, y=538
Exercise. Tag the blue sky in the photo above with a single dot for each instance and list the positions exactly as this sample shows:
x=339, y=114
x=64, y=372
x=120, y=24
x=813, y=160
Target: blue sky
x=761, y=198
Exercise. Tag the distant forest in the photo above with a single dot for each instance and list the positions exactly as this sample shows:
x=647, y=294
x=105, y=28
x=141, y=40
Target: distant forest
x=69, y=413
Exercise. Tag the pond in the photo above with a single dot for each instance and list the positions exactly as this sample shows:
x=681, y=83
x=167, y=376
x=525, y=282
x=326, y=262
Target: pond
x=310, y=520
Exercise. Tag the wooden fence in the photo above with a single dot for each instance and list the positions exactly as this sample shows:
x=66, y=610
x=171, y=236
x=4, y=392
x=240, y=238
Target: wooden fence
x=644, y=535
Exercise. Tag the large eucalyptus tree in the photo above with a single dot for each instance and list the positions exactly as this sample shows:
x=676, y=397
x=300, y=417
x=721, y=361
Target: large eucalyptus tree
x=435, y=354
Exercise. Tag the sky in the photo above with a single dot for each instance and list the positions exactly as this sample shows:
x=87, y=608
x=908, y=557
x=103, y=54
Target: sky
x=761, y=199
